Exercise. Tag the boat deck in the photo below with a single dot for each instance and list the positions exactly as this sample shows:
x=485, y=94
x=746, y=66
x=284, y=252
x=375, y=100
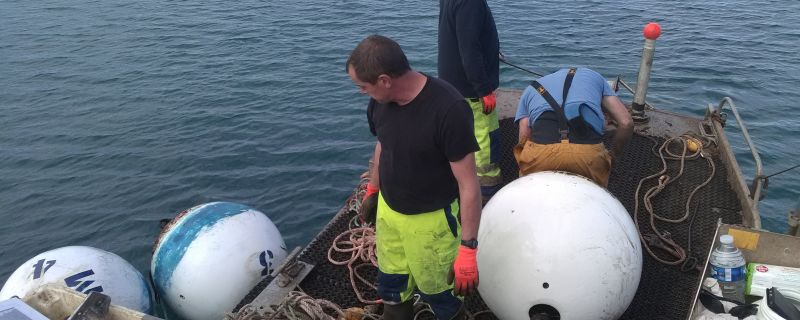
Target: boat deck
x=665, y=292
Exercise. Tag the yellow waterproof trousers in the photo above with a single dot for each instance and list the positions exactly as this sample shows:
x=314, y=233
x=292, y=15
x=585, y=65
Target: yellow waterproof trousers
x=417, y=250
x=486, y=159
x=588, y=160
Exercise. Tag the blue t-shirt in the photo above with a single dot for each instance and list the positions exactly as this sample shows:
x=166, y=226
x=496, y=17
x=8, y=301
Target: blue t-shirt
x=585, y=96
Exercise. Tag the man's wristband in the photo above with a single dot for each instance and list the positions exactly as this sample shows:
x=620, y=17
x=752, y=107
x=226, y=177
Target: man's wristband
x=472, y=243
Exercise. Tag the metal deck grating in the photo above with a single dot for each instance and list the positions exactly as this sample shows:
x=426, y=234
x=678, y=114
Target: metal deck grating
x=665, y=292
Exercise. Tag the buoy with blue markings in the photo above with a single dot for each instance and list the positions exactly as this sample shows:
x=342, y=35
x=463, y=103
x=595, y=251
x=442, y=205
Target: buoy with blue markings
x=210, y=256
x=83, y=269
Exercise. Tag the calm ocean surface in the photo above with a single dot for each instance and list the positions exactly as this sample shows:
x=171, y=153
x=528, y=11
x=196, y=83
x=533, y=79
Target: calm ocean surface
x=116, y=114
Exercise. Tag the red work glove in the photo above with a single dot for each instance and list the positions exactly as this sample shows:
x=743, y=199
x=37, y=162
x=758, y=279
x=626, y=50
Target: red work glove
x=369, y=205
x=370, y=191
x=489, y=102
x=466, y=271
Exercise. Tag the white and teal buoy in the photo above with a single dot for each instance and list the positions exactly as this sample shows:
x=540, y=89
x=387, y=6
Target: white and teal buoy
x=210, y=256
x=83, y=269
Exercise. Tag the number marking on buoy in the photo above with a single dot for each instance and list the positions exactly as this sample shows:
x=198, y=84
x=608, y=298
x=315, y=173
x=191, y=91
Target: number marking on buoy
x=37, y=268
x=267, y=264
x=73, y=281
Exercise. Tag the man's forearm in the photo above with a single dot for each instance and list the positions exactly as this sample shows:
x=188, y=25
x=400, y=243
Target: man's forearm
x=374, y=177
x=619, y=114
x=469, y=193
x=621, y=138
x=470, y=212
x=524, y=130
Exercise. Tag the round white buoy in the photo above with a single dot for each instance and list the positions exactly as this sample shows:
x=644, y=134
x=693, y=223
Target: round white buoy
x=212, y=255
x=558, y=244
x=84, y=269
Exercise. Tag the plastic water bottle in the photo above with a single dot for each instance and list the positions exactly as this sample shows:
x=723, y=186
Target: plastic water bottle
x=728, y=267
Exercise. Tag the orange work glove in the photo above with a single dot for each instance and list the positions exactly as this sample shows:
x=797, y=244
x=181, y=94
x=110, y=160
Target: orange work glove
x=489, y=102
x=466, y=271
x=369, y=205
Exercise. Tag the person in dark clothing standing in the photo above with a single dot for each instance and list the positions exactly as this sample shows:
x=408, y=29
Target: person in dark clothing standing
x=469, y=51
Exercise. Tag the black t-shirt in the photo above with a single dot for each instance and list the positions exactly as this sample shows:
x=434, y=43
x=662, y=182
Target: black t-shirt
x=418, y=142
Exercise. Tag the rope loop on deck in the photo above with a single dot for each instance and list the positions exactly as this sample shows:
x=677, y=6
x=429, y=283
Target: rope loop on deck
x=359, y=242
x=296, y=306
x=662, y=240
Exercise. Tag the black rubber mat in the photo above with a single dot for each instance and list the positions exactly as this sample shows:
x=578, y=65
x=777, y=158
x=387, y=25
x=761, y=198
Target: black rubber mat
x=665, y=292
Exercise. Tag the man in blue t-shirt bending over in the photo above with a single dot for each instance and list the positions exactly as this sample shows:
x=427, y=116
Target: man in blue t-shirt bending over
x=561, y=121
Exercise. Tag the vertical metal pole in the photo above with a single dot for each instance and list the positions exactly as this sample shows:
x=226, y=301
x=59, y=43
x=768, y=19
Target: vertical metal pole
x=651, y=32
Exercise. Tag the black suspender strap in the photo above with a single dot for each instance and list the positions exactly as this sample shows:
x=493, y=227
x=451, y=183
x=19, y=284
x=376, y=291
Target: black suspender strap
x=563, y=123
x=567, y=85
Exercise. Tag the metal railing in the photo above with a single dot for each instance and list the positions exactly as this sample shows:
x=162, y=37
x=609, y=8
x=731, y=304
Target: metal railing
x=757, y=185
x=616, y=83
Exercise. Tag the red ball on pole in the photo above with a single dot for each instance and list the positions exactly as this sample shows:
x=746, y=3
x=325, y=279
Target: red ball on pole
x=652, y=30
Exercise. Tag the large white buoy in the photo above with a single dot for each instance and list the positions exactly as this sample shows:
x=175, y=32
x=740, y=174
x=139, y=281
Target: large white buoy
x=558, y=244
x=212, y=255
x=84, y=269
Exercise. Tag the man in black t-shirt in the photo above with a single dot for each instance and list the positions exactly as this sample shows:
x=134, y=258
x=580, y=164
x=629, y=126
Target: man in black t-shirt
x=423, y=177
